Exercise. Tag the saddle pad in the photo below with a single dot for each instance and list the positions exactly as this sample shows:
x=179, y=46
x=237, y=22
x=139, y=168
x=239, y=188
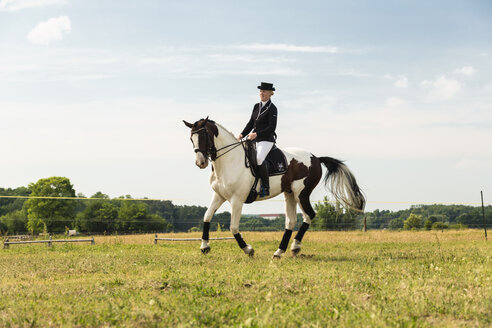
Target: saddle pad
x=277, y=163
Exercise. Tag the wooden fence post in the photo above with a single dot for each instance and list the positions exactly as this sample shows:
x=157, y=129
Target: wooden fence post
x=483, y=215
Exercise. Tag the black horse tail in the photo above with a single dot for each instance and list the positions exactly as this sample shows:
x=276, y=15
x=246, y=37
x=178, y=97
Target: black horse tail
x=342, y=184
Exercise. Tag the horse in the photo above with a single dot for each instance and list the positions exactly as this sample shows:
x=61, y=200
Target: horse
x=232, y=180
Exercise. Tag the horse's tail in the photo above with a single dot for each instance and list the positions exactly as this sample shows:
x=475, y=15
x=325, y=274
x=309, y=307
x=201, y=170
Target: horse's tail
x=342, y=184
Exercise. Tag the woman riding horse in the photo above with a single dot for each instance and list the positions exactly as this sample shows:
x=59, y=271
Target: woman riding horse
x=263, y=123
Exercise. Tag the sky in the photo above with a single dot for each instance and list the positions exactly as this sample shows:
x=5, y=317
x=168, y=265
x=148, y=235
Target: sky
x=96, y=91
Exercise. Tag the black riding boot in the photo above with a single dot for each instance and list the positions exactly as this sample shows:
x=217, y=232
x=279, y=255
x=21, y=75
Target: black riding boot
x=265, y=182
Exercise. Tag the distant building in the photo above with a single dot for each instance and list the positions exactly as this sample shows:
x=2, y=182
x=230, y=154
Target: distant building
x=270, y=216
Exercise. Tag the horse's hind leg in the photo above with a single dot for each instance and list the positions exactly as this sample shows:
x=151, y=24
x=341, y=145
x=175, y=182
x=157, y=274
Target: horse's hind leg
x=308, y=212
x=217, y=200
x=290, y=223
x=237, y=206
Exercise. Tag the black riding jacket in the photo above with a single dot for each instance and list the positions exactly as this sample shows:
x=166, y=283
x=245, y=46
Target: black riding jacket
x=263, y=124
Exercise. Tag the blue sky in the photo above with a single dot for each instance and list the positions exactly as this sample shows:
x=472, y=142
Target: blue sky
x=96, y=91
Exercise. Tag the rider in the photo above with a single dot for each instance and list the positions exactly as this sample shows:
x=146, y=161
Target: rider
x=263, y=123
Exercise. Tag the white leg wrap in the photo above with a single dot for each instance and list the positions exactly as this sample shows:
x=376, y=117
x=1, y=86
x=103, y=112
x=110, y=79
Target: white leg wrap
x=295, y=245
x=278, y=253
x=205, y=244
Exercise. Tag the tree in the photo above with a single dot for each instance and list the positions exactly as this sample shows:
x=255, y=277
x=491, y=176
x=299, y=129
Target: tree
x=327, y=216
x=428, y=224
x=396, y=224
x=55, y=214
x=224, y=219
x=413, y=222
x=3, y=227
x=35, y=226
x=135, y=217
x=8, y=205
x=350, y=219
x=188, y=217
x=14, y=222
x=130, y=214
x=98, y=216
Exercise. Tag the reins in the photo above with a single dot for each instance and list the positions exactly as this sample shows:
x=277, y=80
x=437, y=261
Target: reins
x=235, y=144
x=211, y=152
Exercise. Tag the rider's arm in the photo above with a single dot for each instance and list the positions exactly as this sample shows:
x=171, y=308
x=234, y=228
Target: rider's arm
x=249, y=126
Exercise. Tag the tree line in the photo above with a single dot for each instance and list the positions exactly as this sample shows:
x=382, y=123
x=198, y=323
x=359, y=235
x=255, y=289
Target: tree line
x=102, y=215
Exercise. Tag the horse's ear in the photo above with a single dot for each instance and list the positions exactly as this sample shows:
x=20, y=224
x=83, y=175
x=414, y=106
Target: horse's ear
x=206, y=120
x=188, y=124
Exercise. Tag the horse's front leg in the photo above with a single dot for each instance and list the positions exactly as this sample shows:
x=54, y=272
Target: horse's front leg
x=237, y=207
x=290, y=223
x=217, y=200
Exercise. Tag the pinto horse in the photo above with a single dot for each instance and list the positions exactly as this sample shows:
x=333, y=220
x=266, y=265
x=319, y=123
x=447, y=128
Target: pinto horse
x=231, y=180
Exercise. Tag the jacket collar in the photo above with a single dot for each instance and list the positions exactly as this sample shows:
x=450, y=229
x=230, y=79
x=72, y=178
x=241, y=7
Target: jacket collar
x=263, y=109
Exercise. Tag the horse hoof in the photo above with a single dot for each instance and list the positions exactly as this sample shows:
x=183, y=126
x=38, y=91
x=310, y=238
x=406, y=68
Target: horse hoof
x=249, y=250
x=295, y=251
x=205, y=250
x=278, y=254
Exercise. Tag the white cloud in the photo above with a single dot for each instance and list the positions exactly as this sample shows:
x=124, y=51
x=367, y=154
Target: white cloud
x=51, y=30
x=352, y=72
x=442, y=88
x=250, y=59
x=466, y=71
x=288, y=48
x=395, y=101
x=13, y=5
x=402, y=81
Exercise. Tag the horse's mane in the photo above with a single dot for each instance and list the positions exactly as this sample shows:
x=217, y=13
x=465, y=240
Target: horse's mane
x=226, y=130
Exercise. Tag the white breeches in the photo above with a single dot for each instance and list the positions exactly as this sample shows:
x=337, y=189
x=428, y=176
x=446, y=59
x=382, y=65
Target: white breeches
x=262, y=150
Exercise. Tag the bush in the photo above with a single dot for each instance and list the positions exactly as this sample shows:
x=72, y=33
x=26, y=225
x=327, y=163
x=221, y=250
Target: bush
x=439, y=226
x=428, y=224
x=413, y=222
x=458, y=226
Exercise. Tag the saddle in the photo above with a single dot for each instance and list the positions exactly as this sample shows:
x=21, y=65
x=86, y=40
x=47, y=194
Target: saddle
x=276, y=163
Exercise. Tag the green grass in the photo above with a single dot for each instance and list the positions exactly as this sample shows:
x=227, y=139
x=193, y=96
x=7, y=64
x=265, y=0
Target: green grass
x=344, y=279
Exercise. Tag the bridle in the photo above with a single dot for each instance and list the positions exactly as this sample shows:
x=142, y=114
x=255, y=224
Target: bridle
x=210, y=151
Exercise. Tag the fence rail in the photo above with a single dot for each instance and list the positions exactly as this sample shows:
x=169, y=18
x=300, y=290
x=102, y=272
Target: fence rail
x=49, y=242
x=189, y=239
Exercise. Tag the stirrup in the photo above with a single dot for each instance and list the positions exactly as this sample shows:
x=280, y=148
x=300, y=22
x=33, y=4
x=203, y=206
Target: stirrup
x=264, y=192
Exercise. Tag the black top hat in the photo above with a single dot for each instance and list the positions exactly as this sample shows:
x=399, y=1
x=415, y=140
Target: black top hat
x=266, y=86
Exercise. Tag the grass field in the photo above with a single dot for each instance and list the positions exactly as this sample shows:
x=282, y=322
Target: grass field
x=343, y=279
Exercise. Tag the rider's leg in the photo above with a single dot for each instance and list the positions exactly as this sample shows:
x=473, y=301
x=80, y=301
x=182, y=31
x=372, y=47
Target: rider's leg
x=262, y=150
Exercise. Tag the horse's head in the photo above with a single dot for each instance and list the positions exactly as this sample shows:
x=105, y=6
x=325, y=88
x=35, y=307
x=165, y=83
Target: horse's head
x=202, y=138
